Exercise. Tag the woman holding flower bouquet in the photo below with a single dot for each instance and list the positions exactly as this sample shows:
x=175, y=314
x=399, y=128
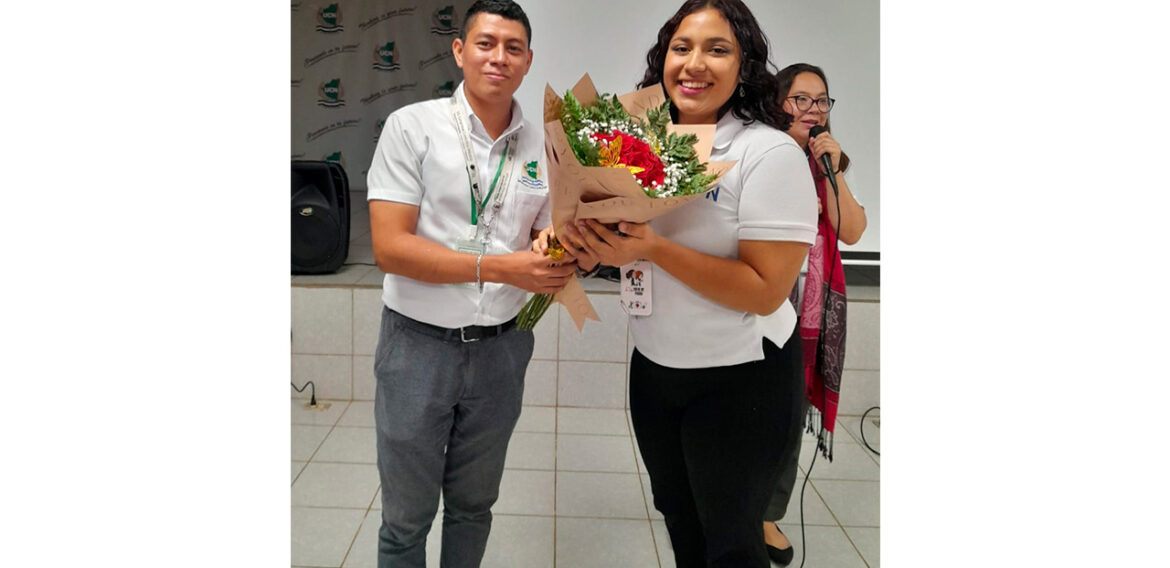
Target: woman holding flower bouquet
x=704, y=396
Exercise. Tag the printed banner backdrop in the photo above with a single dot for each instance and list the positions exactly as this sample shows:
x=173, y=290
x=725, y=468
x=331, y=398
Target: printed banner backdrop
x=356, y=61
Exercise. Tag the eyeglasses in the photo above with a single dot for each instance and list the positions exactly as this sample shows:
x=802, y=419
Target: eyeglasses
x=804, y=103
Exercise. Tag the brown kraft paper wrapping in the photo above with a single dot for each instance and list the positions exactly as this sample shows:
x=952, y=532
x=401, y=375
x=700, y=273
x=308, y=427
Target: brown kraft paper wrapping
x=607, y=194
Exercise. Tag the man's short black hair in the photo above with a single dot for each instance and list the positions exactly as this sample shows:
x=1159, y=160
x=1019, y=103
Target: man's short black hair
x=506, y=9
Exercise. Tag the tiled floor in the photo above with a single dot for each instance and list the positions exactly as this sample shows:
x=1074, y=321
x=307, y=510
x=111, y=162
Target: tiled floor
x=574, y=494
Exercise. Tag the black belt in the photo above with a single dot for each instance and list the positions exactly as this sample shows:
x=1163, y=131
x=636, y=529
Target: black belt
x=463, y=334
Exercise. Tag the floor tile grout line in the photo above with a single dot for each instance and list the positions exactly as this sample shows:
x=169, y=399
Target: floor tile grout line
x=599, y=361
x=599, y=435
x=318, y=447
x=840, y=525
x=594, y=518
x=352, y=336
x=855, y=547
x=369, y=509
x=556, y=429
x=642, y=486
x=353, y=541
x=299, y=472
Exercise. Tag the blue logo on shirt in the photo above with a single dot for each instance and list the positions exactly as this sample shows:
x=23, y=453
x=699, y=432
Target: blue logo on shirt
x=533, y=183
x=713, y=195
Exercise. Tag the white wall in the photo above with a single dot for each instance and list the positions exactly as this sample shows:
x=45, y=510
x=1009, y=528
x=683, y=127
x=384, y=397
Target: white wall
x=609, y=39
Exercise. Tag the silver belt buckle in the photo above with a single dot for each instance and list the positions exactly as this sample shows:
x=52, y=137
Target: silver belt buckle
x=464, y=338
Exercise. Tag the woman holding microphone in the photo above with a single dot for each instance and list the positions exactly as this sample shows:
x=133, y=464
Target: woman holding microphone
x=804, y=96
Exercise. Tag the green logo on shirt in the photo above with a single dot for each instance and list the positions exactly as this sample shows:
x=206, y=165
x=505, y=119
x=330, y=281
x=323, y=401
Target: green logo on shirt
x=532, y=171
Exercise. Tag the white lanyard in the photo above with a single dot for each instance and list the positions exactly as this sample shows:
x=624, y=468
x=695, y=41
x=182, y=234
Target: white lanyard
x=500, y=181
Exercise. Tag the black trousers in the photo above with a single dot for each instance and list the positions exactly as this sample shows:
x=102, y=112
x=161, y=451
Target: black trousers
x=712, y=440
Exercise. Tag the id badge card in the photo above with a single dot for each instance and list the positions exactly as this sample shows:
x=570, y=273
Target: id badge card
x=469, y=246
x=636, y=285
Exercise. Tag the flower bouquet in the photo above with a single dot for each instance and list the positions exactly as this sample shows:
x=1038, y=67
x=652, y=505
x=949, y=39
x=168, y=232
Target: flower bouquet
x=615, y=159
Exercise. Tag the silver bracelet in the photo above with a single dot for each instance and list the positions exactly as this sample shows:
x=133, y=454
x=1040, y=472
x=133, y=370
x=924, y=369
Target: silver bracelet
x=478, y=279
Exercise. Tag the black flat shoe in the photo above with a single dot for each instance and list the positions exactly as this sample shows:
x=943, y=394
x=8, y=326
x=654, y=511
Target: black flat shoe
x=781, y=556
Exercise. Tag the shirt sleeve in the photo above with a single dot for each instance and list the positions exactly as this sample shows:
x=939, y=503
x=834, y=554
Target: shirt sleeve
x=779, y=200
x=396, y=170
x=848, y=179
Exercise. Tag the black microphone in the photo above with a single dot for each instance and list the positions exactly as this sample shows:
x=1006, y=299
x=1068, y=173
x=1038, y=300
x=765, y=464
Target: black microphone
x=825, y=158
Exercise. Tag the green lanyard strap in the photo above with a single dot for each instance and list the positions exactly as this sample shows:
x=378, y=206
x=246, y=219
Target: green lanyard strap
x=477, y=207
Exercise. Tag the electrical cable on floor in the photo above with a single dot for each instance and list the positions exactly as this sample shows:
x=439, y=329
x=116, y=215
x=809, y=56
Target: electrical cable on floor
x=803, y=545
x=862, y=428
x=312, y=392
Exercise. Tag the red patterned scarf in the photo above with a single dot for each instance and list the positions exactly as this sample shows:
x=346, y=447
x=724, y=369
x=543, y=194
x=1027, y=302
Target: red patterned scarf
x=822, y=324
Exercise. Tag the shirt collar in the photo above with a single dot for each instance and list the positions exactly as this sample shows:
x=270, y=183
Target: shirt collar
x=726, y=130
x=477, y=126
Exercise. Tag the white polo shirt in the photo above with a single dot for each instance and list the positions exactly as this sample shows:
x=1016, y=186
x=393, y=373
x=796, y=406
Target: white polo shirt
x=418, y=161
x=768, y=195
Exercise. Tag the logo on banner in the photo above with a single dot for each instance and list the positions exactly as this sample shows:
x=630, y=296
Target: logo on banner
x=335, y=158
x=330, y=94
x=445, y=90
x=445, y=21
x=329, y=19
x=532, y=175
x=386, y=57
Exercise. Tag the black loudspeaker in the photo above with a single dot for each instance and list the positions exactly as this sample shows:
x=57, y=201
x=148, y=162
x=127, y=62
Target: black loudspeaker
x=320, y=217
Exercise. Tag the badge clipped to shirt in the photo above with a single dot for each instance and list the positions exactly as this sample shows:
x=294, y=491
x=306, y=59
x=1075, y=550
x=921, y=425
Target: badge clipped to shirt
x=636, y=288
x=470, y=244
x=478, y=235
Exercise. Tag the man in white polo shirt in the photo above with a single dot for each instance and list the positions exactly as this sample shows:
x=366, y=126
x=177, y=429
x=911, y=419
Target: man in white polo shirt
x=457, y=193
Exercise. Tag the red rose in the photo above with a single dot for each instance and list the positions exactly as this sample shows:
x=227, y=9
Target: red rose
x=637, y=153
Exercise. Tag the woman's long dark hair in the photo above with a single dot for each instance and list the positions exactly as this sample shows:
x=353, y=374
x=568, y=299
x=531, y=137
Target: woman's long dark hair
x=785, y=77
x=759, y=84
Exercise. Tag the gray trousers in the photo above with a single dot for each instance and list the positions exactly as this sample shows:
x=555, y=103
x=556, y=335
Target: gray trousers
x=444, y=412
